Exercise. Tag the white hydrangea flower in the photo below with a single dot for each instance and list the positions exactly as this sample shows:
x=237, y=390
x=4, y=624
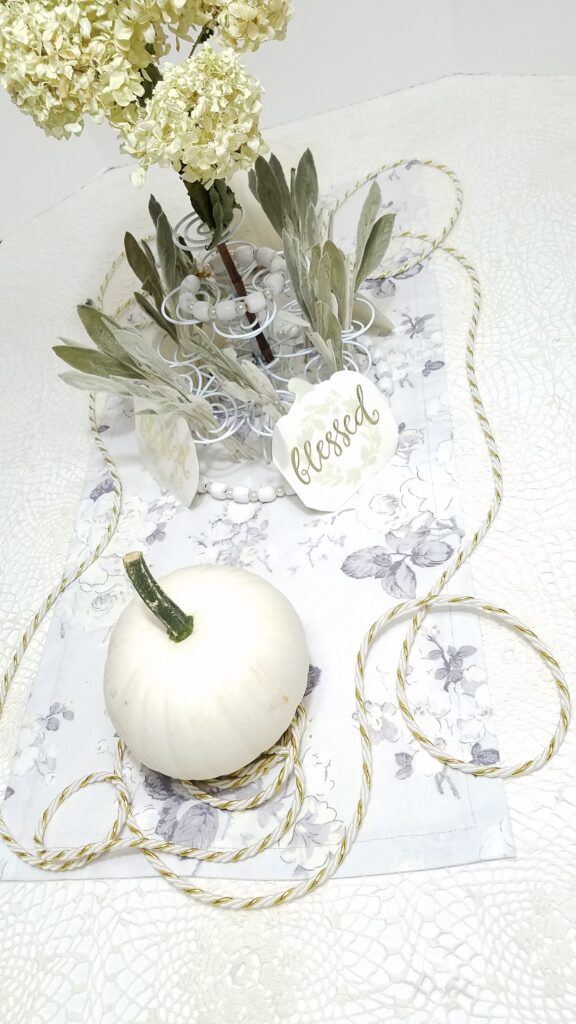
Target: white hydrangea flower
x=181, y=15
x=245, y=24
x=202, y=119
x=62, y=61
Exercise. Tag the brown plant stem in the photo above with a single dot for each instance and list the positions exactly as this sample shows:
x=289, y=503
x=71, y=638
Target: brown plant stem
x=240, y=289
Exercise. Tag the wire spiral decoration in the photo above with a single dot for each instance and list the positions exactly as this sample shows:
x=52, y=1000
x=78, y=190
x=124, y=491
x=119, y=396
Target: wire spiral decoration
x=281, y=766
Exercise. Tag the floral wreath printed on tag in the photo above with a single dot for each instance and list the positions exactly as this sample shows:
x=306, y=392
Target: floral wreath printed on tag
x=336, y=436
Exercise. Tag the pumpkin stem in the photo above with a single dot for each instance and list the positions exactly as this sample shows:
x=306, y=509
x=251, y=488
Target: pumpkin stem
x=178, y=624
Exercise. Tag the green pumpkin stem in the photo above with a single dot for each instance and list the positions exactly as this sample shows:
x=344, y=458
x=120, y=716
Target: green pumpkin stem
x=178, y=624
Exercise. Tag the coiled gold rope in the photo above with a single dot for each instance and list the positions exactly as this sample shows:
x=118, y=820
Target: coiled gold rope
x=281, y=765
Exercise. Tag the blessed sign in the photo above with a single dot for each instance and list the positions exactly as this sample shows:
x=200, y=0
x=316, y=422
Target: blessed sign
x=336, y=436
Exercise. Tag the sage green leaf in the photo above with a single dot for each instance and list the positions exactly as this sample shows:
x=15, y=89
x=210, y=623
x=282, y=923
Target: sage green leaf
x=323, y=290
x=166, y=252
x=324, y=349
x=154, y=209
x=268, y=194
x=150, y=255
x=119, y=386
x=291, y=255
x=306, y=185
x=293, y=186
x=306, y=289
x=311, y=227
x=376, y=246
x=278, y=172
x=88, y=360
x=315, y=256
x=252, y=184
x=98, y=327
x=260, y=382
x=330, y=330
x=338, y=279
x=368, y=215
x=142, y=354
x=155, y=315
x=138, y=259
x=91, y=382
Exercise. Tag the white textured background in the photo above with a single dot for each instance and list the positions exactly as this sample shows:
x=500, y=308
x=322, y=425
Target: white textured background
x=484, y=944
x=336, y=53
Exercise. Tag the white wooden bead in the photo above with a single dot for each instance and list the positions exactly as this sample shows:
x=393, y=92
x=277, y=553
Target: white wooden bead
x=186, y=304
x=266, y=493
x=191, y=284
x=386, y=386
x=226, y=310
x=243, y=255
x=381, y=369
x=217, y=489
x=241, y=494
x=275, y=282
x=201, y=310
x=278, y=264
x=255, y=302
x=265, y=255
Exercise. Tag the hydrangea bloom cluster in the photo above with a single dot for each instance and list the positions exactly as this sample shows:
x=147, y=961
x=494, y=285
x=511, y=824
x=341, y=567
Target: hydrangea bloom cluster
x=61, y=61
x=202, y=119
x=245, y=24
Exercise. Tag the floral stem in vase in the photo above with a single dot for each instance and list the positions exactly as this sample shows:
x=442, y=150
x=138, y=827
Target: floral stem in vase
x=240, y=289
x=215, y=205
x=177, y=623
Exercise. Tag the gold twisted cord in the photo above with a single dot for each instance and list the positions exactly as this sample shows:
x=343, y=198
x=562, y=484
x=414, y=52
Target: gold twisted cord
x=282, y=765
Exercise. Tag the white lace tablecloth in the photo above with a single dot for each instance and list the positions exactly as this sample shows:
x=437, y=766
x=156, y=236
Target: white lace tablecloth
x=480, y=944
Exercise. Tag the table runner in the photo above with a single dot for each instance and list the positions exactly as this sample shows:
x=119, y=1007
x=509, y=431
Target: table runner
x=340, y=571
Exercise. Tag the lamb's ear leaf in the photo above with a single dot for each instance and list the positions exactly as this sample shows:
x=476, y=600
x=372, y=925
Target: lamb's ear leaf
x=311, y=227
x=166, y=252
x=330, y=330
x=293, y=196
x=376, y=246
x=338, y=278
x=252, y=184
x=278, y=172
x=138, y=258
x=88, y=360
x=368, y=215
x=155, y=315
x=306, y=185
x=99, y=329
x=154, y=209
x=293, y=262
x=152, y=283
x=268, y=194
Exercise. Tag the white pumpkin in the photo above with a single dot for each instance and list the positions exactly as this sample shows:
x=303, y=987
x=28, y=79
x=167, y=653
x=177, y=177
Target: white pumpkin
x=205, y=705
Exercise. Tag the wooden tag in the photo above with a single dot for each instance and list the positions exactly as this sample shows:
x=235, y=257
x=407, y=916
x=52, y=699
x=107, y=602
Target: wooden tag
x=337, y=435
x=168, y=452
